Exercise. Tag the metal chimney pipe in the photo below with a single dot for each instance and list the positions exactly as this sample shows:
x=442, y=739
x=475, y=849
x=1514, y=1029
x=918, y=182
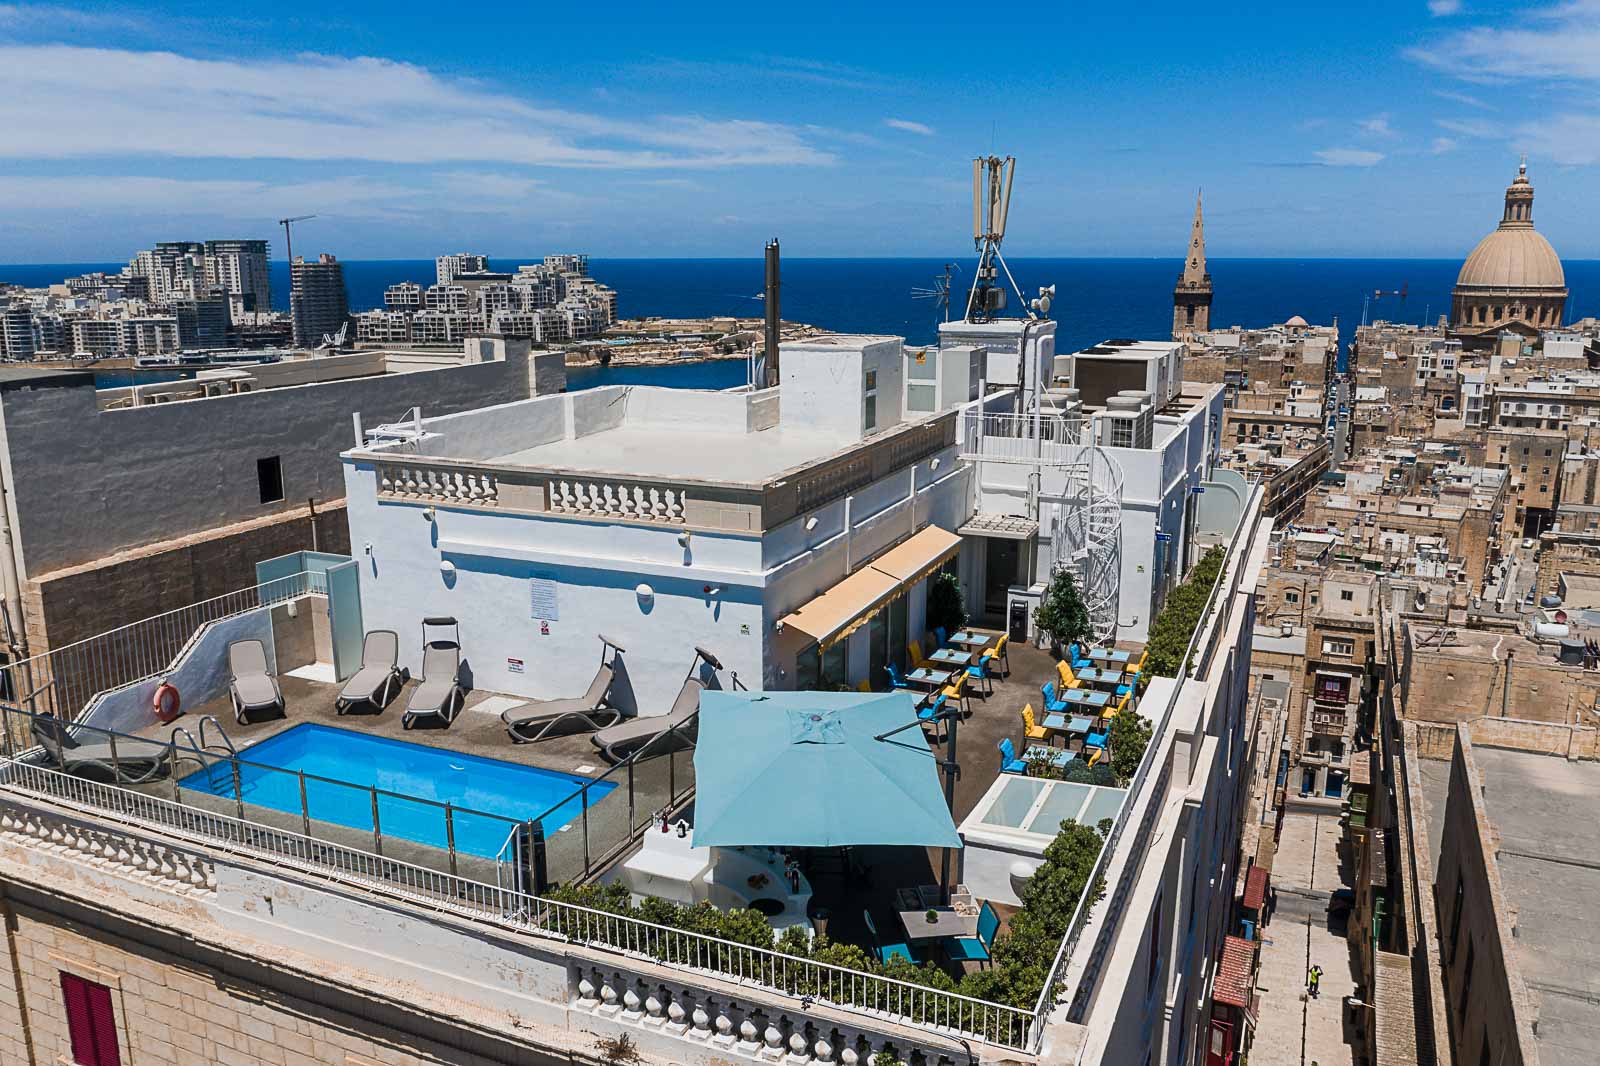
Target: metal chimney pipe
x=773, y=312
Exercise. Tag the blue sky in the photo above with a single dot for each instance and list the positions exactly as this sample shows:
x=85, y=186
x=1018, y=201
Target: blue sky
x=1356, y=129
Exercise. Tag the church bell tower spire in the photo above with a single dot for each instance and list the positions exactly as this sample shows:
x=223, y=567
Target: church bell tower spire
x=1191, y=299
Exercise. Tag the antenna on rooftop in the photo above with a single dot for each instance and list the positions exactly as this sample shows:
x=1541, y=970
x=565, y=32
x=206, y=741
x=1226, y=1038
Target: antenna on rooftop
x=991, y=203
x=940, y=292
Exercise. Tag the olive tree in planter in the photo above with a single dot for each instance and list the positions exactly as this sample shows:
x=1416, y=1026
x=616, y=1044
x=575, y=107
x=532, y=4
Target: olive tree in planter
x=947, y=608
x=1061, y=615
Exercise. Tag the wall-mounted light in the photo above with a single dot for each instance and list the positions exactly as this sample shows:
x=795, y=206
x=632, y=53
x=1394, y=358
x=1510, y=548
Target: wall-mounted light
x=427, y=514
x=934, y=463
x=811, y=523
x=446, y=567
x=684, y=538
x=645, y=594
x=712, y=590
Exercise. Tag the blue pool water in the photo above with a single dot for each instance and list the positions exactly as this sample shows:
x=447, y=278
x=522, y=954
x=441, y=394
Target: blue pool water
x=414, y=771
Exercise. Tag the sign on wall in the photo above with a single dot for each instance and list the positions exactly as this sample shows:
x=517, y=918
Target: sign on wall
x=542, y=589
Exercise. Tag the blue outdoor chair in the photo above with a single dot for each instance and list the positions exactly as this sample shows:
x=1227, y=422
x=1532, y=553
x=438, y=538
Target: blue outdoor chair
x=929, y=713
x=979, y=672
x=885, y=952
x=1123, y=690
x=895, y=680
x=1009, y=763
x=940, y=636
x=1052, y=703
x=975, y=949
x=1095, y=740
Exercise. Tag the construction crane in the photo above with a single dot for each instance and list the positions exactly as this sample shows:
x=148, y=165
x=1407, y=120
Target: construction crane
x=288, y=238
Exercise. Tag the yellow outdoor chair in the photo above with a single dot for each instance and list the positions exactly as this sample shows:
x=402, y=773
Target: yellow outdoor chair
x=1031, y=729
x=915, y=648
x=1095, y=755
x=1064, y=672
x=864, y=686
x=957, y=690
x=1003, y=653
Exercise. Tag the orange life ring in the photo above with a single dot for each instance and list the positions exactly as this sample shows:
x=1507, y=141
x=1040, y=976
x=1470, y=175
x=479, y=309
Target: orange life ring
x=166, y=702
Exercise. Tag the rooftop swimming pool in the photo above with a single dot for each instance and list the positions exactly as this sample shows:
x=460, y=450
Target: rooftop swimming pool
x=414, y=782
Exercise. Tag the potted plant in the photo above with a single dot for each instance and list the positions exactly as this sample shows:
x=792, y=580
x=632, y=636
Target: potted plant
x=932, y=916
x=1061, y=615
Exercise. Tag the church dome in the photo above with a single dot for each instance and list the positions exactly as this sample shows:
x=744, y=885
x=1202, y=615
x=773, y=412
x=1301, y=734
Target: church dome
x=1513, y=279
x=1297, y=322
x=1512, y=258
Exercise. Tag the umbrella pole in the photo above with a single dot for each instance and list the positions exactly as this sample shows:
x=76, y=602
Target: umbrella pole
x=952, y=769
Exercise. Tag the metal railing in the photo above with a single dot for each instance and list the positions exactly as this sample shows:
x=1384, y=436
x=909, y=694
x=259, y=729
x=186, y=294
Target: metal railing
x=657, y=778
x=1196, y=661
x=805, y=980
x=322, y=807
x=67, y=680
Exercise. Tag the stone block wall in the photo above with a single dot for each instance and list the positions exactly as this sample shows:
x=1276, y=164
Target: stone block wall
x=70, y=605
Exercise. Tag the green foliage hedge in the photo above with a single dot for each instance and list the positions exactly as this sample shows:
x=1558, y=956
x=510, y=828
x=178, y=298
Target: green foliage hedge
x=1180, y=616
x=1020, y=957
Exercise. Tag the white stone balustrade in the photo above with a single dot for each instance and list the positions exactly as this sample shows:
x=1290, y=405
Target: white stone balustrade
x=444, y=484
x=615, y=499
x=150, y=860
x=742, y=1028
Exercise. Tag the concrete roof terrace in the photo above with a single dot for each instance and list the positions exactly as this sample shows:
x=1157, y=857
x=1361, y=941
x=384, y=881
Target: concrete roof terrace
x=1551, y=883
x=711, y=452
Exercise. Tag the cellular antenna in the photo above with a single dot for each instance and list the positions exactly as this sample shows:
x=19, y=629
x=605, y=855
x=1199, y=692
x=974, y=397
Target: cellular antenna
x=991, y=204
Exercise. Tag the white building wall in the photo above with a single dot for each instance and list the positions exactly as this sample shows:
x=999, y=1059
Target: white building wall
x=598, y=566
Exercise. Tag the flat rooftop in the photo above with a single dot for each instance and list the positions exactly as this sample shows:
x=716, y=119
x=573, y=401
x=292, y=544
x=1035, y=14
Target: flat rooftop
x=702, y=452
x=1552, y=885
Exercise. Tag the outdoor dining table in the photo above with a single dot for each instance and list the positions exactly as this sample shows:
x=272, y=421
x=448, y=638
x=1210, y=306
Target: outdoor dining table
x=1083, y=697
x=1094, y=675
x=932, y=678
x=948, y=923
x=951, y=656
x=971, y=640
x=1117, y=656
x=1060, y=723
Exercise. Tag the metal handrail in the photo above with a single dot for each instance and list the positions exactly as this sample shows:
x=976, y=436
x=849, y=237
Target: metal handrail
x=804, y=980
x=1213, y=619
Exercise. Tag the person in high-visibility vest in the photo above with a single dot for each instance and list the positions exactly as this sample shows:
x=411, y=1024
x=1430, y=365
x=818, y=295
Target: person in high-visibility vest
x=1313, y=979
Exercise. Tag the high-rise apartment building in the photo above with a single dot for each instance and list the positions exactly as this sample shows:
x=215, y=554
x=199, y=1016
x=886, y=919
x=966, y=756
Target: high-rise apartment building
x=239, y=268
x=318, y=303
x=448, y=267
x=174, y=268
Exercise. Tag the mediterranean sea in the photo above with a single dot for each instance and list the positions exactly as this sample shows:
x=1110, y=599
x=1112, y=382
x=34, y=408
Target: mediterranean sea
x=1096, y=299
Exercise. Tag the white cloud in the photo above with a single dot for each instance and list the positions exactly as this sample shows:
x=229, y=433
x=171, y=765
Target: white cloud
x=1551, y=42
x=333, y=107
x=907, y=126
x=347, y=197
x=1441, y=8
x=1441, y=145
x=1349, y=157
x=1463, y=98
x=1471, y=127
x=1377, y=126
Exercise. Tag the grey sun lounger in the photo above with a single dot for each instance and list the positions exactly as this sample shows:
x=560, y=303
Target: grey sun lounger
x=133, y=762
x=376, y=683
x=619, y=741
x=439, y=695
x=535, y=721
x=252, y=686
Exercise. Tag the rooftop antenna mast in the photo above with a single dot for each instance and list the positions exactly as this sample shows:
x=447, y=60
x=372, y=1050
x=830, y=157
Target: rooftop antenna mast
x=940, y=291
x=991, y=203
x=288, y=237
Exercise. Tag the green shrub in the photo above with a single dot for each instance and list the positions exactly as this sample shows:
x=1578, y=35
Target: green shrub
x=1179, y=617
x=1061, y=615
x=947, y=608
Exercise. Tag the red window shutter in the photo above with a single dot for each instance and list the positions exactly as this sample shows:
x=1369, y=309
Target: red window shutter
x=91, y=1022
x=103, y=1021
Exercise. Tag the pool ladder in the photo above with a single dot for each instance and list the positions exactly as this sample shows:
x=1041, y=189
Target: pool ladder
x=210, y=756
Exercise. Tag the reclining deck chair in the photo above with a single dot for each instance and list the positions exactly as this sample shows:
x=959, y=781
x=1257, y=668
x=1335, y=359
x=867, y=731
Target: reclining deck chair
x=439, y=695
x=252, y=686
x=537, y=720
x=123, y=760
x=379, y=678
x=633, y=736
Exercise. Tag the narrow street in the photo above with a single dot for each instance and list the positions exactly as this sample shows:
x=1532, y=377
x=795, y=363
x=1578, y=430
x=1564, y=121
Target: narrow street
x=1296, y=1030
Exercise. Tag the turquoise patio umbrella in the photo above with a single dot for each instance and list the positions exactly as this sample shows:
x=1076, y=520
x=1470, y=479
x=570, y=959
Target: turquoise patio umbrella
x=805, y=769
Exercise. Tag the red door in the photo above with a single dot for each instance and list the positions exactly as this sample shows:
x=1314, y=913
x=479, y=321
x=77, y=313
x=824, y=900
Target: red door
x=1219, y=1049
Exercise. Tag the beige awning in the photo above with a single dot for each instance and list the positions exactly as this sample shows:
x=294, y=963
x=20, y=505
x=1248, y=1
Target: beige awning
x=838, y=612
x=914, y=559
x=847, y=606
